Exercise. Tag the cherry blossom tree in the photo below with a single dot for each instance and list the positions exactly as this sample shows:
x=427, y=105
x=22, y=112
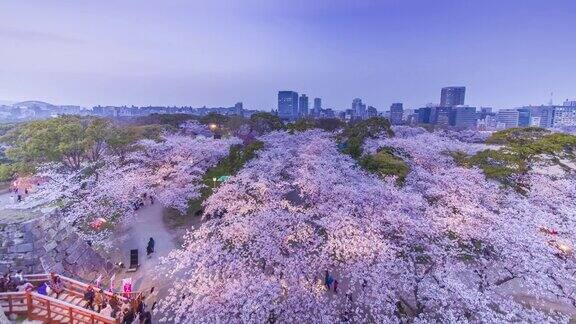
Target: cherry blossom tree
x=193, y=128
x=448, y=246
x=168, y=171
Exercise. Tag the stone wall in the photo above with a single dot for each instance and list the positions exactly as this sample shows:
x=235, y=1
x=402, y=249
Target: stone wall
x=46, y=244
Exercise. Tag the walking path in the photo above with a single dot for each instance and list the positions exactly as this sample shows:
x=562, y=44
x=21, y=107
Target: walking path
x=8, y=215
x=135, y=234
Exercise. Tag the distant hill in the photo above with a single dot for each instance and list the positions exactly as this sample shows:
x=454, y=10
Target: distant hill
x=33, y=103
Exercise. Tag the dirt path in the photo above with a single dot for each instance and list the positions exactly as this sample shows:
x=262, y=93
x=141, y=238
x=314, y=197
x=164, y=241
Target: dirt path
x=12, y=215
x=147, y=223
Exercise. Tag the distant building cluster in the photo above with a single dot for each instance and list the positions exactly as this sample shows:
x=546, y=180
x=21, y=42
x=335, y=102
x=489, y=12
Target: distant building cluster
x=30, y=110
x=123, y=111
x=451, y=112
x=292, y=106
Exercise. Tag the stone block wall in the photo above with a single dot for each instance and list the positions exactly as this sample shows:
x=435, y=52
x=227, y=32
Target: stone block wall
x=47, y=244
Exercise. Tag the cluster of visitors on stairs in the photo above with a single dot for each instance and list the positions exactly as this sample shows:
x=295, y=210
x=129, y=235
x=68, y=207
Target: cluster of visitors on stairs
x=127, y=310
x=14, y=282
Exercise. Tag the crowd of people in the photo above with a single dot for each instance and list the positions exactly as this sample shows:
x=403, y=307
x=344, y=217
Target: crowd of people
x=136, y=308
x=141, y=201
x=128, y=308
x=15, y=282
x=17, y=194
x=11, y=281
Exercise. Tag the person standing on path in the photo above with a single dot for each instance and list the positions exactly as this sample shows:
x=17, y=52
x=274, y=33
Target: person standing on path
x=150, y=247
x=335, y=286
x=328, y=280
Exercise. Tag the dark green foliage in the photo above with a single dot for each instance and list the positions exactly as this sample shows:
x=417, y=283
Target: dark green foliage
x=330, y=124
x=460, y=158
x=301, y=125
x=521, y=148
x=327, y=124
x=369, y=128
x=70, y=140
x=238, y=156
x=355, y=135
x=385, y=163
x=63, y=139
x=517, y=136
x=353, y=147
x=263, y=122
x=9, y=170
x=499, y=165
x=214, y=118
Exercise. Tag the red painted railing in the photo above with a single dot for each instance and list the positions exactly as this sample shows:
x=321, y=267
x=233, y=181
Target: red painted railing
x=51, y=310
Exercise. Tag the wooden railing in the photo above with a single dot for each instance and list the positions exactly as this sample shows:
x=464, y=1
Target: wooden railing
x=50, y=310
x=72, y=286
x=14, y=302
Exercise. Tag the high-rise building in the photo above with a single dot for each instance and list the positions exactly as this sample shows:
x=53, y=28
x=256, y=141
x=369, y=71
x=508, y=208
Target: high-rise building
x=546, y=114
x=524, y=117
x=359, y=108
x=452, y=96
x=465, y=117
x=287, y=105
x=396, y=113
x=303, y=105
x=529, y=115
x=483, y=112
x=238, y=109
x=444, y=116
x=424, y=115
x=371, y=112
x=570, y=103
x=317, y=106
x=508, y=117
x=564, y=116
x=535, y=121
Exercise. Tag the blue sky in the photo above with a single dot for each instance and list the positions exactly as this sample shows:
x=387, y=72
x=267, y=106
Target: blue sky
x=507, y=53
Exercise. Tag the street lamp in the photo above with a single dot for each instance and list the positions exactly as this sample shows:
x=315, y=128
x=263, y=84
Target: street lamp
x=214, y=179
x=214, y=128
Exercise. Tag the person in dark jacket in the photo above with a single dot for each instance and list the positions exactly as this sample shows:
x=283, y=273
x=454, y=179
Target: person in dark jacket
x=150, y=247
x=89, y=296
x=128, y=317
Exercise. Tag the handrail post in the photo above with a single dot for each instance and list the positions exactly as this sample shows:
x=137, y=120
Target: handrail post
x=71, y=312
x=49, y=313
x=10, y=303
x=29, y=304
x=92, y=319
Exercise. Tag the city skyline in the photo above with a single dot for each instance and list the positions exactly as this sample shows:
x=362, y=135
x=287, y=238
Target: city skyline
x=274, y=108
x=145, y=53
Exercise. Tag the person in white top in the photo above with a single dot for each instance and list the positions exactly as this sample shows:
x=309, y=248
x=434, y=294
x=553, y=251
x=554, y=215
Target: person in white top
x=106, y=311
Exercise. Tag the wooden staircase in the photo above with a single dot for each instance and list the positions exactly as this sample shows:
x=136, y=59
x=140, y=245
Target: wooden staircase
x=67, y=308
